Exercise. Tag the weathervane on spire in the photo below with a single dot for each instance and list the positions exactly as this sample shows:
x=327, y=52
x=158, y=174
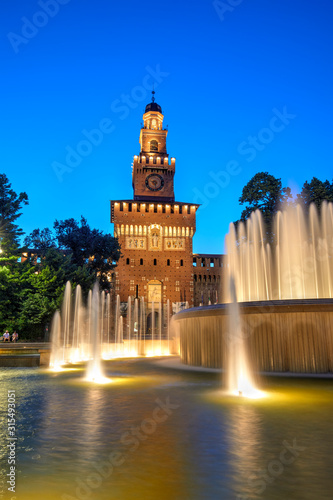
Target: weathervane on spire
x=153, y=94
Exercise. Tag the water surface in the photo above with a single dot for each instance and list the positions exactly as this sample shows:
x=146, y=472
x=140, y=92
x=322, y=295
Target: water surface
x=169, y=434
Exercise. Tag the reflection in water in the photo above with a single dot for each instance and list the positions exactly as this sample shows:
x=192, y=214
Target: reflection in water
x=244, y=436
x=207, y=448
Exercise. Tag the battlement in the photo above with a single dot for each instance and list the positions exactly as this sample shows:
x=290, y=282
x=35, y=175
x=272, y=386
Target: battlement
x=149, y=160
x=176, y=209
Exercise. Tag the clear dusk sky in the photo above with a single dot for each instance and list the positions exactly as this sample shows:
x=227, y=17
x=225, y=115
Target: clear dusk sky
x=245, y=86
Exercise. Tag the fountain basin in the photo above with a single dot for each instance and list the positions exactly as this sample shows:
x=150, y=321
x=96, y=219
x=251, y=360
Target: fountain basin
x=280, y=336
x=24, y=354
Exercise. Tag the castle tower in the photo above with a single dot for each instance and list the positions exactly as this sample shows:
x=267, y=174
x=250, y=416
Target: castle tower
x=152, y=173
x=155, y=232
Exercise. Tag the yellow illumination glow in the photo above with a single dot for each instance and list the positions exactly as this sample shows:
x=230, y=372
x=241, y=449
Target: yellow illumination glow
x=251, y=394
x=245, y=387
x=99, y=379
x=63, y=369
x=57, y=368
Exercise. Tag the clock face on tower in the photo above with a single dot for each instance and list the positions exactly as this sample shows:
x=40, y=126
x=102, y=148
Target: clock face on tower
x=154, y=182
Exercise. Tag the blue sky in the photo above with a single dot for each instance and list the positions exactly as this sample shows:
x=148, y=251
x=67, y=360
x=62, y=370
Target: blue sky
x=244, y=72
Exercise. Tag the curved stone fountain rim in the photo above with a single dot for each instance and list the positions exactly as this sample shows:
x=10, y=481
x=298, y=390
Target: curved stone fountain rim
x=174, y=363
x=261, y=307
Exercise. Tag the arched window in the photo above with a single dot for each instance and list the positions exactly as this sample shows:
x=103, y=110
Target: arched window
x=153, y=146
x=168, y=262
x=127, y=262
x=155, y=262
x=141, y=262
x=182, y=262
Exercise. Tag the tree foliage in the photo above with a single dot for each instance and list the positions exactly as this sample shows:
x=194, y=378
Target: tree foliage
x=40, y=239
x=315, y=192
x=264, y=192
x=31, y=293
x=91, y=252
x=10, y=206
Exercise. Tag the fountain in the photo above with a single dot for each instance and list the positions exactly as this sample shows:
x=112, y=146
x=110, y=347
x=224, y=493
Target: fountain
x=240, y=380
x=91, y=333
x=284, y=294
x=296, y=265
x=94, y=371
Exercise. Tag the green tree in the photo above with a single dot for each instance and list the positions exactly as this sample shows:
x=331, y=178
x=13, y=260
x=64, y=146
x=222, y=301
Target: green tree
x=10, y=206
x=315, y=192
x=10, y=287
x=33, y=316
x=89, y=248
x=30, y=293
x=91, y=252
x=264, y=192
x=40, y=239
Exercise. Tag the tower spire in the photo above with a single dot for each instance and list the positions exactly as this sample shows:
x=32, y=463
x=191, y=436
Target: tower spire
x=153, y=94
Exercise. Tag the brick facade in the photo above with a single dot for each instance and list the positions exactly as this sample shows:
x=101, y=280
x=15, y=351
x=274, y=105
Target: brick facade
x=207, y=278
